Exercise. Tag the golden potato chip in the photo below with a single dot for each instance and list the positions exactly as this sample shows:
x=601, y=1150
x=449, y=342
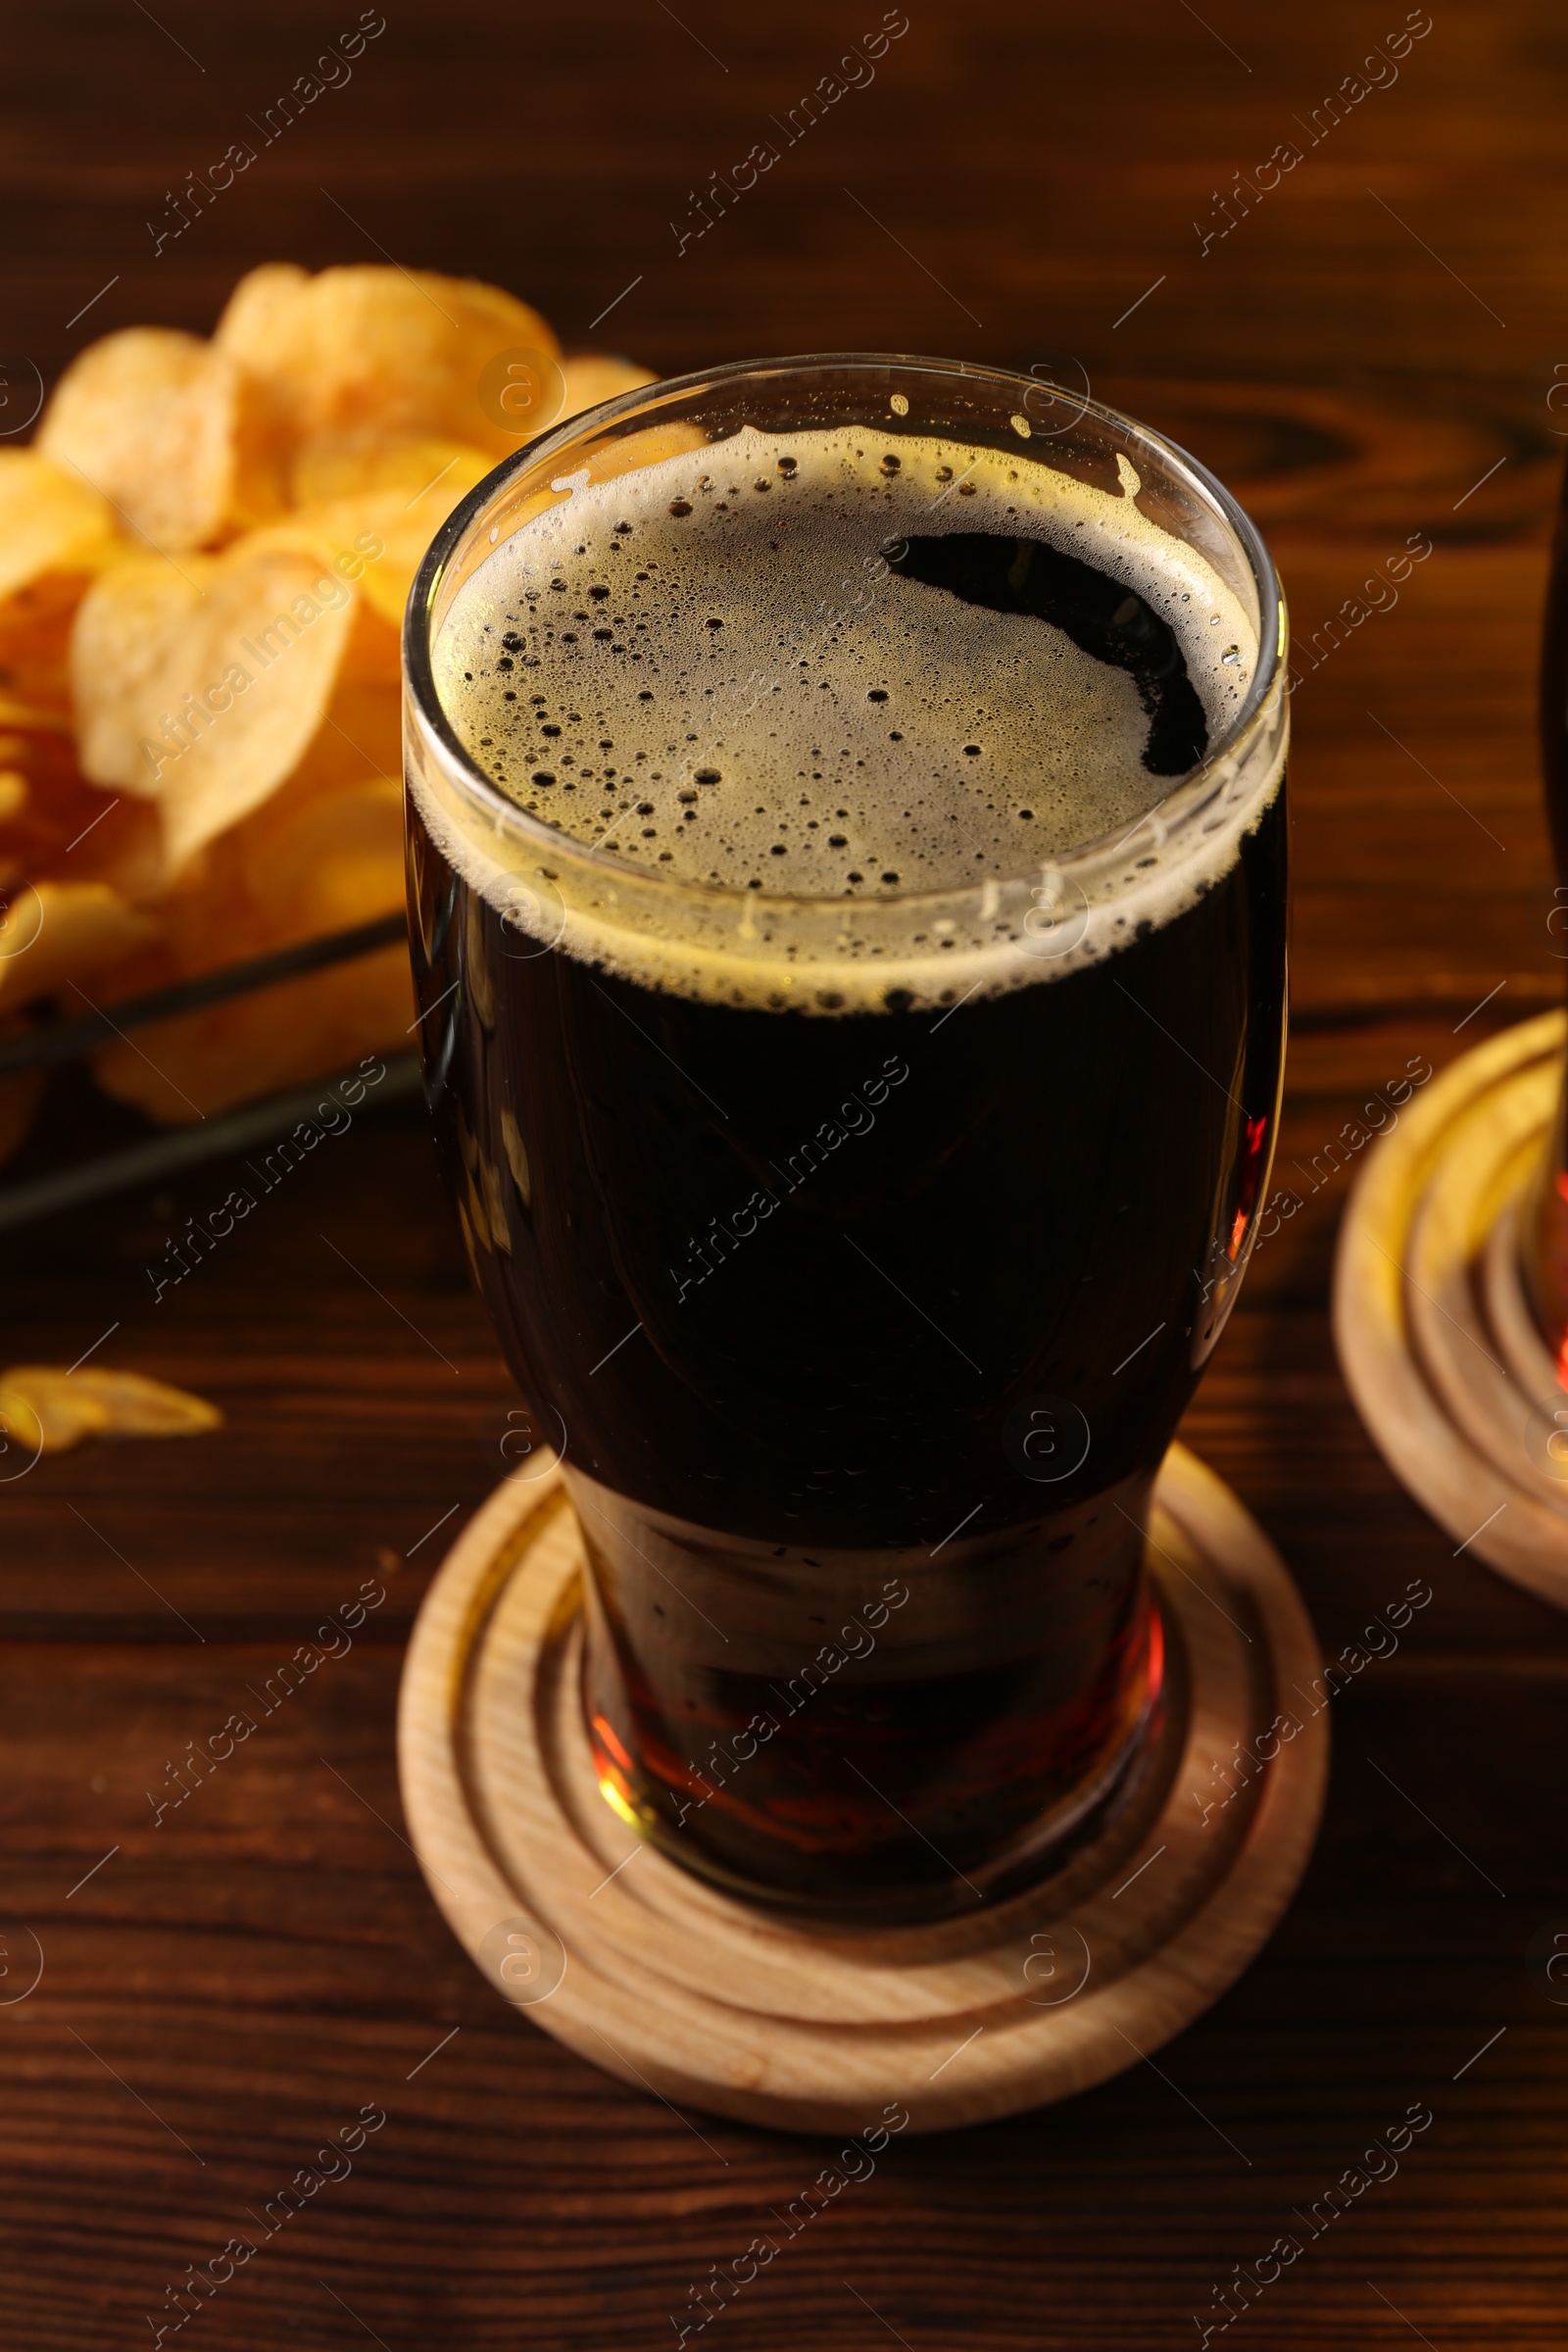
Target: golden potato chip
x=344, y=532
x=386, y=584
x=345, y=467
x=263, y=457
x=20, y=1435
x=337, y=757
x=257, y=1044
x=426, y=475
x=258, y=317
x=393, y=524
x=60, y=1408
x=263, y=436
x=62, y=826
x=202, y=693
x=357, y=743
x=590, y=377
x=382, y=534
x=35, y=623
x=251, y=890
x=375, y=656
x=399, y=350
x=52, y=933
x=322, y=853
x=150, y=418
x=338, y=861
x=386, y=589
x=50, y=521
x=360, y=736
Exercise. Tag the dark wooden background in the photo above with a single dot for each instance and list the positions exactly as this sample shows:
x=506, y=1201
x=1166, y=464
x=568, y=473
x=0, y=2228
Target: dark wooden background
x=229, y=1988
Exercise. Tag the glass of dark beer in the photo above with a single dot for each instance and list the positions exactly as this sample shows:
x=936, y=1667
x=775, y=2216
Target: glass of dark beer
x=846, y=851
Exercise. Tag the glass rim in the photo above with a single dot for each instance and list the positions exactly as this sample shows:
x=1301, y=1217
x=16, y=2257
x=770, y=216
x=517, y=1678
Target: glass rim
x=1188, y=795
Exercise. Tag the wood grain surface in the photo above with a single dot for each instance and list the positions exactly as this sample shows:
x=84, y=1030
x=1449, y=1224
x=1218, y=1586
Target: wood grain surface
x=1368, y=354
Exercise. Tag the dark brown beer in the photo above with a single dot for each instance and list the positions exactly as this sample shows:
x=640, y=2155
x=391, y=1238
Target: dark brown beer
x=865, y=1305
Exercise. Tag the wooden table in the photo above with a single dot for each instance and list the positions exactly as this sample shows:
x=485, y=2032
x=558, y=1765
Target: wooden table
x=1368, y=353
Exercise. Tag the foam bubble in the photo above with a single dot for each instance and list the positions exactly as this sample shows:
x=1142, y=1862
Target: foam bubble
x=706, y=670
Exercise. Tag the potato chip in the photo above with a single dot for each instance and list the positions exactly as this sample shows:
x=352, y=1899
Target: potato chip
x=150, y=418
x=257, y=1044
x=324, y=853
x=358, y=746
x=342, y=468
x=392, y=528
x=370, y=464
x=62, y=826
x=386, y=584
x=360, y=737
x=259, y=316
x=392, y=525
x=50, y=521
x=375, y=657
x=20, y=1435
x=590, y=377
x=263, y=455
x=60, y=1408
x=400, y=350
x=52, y=933
x=338, y=861
x=202, y=693
x=292, y=869
x=36, y=624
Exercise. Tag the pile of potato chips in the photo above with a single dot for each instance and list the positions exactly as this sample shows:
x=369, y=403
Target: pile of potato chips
x=204, y=559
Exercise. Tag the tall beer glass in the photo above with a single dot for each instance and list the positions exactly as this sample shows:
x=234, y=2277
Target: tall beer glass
x=846, y=875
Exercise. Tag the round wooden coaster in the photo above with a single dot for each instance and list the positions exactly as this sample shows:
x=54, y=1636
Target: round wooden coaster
x=1436, y=1339
x=693, y=1995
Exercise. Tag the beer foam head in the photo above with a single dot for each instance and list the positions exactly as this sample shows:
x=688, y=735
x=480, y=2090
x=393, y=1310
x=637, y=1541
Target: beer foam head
x=710, y=670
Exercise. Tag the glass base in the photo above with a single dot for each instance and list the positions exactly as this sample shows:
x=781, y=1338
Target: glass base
x=1046, y=1849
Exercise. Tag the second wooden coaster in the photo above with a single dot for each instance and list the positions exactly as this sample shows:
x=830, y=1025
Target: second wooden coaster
x=1436, y=1339
x=702, y=2000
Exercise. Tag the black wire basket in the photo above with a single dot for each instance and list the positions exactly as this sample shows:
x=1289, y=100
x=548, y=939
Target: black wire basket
x=50, y=1043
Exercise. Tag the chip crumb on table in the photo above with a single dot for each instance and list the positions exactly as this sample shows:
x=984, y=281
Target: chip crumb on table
x=45, y=1408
